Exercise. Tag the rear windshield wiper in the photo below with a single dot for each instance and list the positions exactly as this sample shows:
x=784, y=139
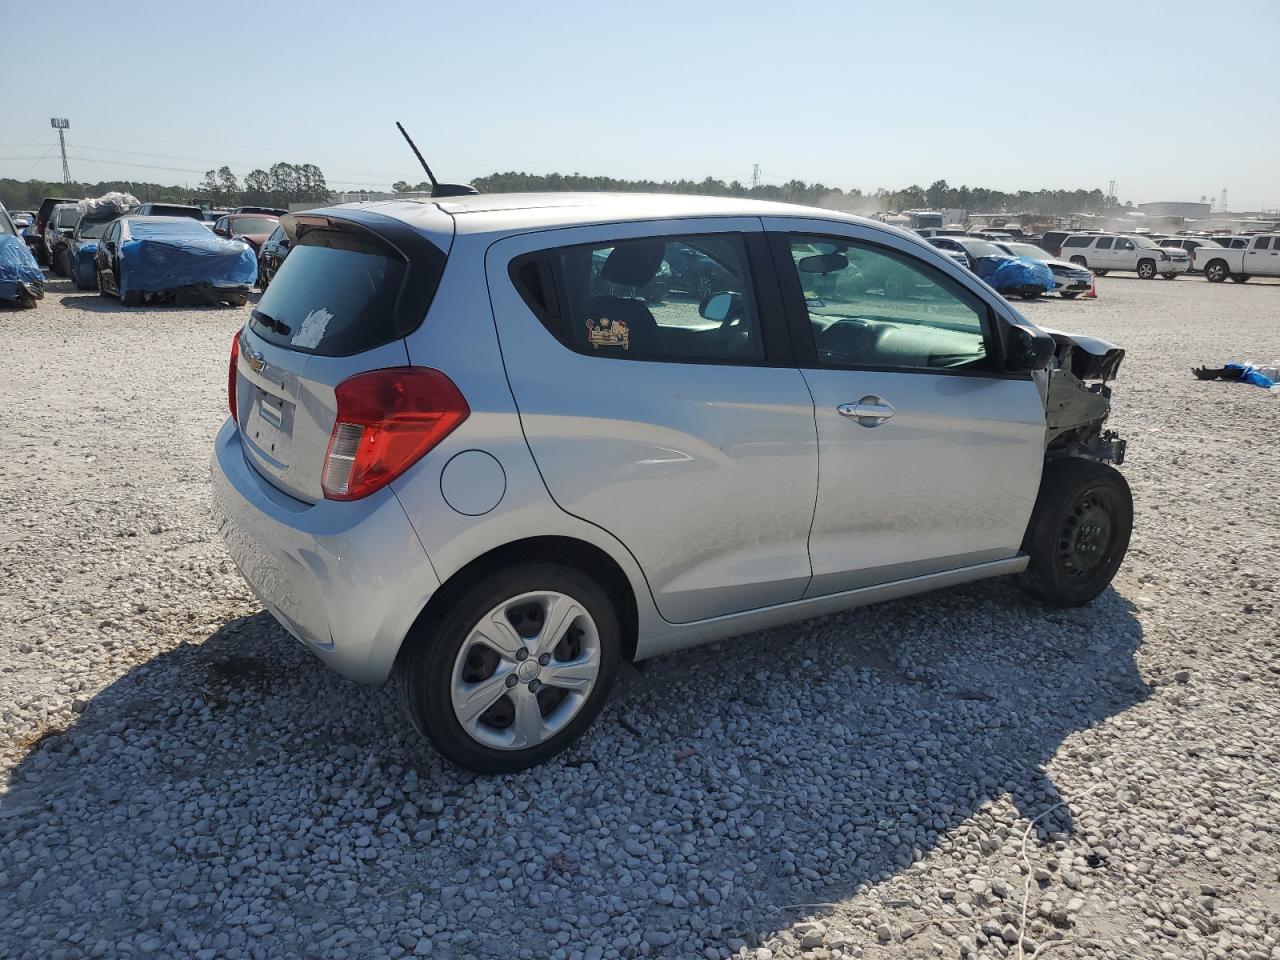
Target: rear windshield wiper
x=272, y=324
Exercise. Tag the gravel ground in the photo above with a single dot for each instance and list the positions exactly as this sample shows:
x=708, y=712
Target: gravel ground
x=941, y=776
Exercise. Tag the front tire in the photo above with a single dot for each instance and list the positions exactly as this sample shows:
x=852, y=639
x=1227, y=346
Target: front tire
x=1240, y=278
x=1168, y=276
x=514, y=670
x=1079, y=531
x=1146, y=269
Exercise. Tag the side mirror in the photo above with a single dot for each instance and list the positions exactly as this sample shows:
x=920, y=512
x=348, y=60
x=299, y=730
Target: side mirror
x=717, y=307
x=1027, y=348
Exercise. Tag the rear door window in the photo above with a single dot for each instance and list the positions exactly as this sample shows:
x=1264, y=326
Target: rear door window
x=1104, y=243
x=1076, y=242
x=1264, y=243
x=337, y=295
x=688, y=298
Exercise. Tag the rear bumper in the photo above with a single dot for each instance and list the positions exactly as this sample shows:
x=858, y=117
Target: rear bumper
x=347, y=579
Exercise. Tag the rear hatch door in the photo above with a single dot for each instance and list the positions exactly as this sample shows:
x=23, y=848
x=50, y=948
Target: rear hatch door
x=354, y=285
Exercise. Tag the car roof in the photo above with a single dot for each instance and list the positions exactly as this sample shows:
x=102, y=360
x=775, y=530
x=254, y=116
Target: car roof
x=519, y=212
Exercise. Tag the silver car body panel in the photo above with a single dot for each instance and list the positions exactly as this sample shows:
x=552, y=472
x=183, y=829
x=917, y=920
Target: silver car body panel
x=700, y=481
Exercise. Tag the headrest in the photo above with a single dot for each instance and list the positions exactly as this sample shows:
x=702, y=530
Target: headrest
x=633, y=262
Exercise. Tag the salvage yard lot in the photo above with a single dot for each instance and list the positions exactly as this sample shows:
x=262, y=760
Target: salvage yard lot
x=182, y=779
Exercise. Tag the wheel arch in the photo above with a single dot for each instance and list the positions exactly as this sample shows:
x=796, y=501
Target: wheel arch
x=570, y=551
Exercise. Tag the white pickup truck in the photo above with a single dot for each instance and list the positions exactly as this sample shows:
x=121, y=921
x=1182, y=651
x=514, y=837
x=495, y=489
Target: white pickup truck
x=1260, y=257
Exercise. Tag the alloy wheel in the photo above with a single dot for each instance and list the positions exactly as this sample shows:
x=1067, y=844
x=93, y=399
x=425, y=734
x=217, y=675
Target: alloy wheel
x=525, y=670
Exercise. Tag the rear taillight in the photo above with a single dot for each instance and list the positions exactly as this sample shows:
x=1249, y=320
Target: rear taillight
x=231, y=375
x=387, y=420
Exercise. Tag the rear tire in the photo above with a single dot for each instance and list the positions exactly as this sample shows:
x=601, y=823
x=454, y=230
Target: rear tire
x=1079, y=531
x=1215, y=271
x=1070, y=294
x=132, y=299
x=447, y=657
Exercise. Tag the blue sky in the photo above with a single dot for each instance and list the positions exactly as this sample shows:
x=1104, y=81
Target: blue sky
x=1007, y=95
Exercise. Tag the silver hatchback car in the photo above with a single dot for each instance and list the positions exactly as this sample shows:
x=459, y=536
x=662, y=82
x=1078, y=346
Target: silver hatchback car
x=495, y=445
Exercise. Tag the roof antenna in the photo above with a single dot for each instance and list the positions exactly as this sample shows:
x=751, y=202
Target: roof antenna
x=438, y=189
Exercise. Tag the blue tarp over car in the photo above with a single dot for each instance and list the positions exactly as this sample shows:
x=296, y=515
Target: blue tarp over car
x=18, y=269
x=1020, y=274
x=167, y=256
x=82, y=268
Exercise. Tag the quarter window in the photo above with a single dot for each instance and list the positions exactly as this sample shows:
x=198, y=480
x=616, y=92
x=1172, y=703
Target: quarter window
x=872, y=307
x=685, y=298
x=1076, y=241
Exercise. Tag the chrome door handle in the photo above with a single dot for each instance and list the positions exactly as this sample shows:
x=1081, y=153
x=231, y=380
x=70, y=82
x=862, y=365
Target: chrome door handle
x=870, y=411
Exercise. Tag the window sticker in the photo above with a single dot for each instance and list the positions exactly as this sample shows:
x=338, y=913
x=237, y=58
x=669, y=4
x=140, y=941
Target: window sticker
x=312, y=330
x=608, y=333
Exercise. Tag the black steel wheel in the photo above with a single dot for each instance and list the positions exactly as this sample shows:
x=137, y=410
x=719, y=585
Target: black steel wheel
x=1079, y=531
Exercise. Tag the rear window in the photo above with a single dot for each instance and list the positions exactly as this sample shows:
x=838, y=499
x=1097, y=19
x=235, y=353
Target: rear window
x=336, y=295
x=66, y=217
x=143, y=229
x=168, y=210
x=253, y=224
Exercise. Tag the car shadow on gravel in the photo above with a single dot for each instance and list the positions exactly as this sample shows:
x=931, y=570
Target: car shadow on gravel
x=235, y=794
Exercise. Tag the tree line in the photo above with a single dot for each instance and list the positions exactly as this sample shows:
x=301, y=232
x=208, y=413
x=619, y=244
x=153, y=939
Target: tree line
x=278, y=186
x=937, y=195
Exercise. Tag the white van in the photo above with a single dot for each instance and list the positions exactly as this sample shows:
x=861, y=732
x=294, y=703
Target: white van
x=1103, y=252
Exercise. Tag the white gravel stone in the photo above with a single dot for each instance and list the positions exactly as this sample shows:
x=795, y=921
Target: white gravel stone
x=180, y=778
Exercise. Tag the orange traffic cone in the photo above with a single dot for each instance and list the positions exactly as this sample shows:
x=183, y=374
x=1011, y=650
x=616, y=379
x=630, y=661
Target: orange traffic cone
x=1093, y=288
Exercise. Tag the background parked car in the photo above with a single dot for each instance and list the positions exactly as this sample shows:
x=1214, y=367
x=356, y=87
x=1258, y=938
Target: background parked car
x=1189, y=244
x=42, y=221
x=1258, y=257
x=22, y=218
x=21, y=279
x=272, y=254
x=1009, y=274
x=169, y=210
x=148, y=257
x=213, y=216
x=1103, y=253
x=62, y=223
x=1069, y=279
x=82, y=250
x=252, y=228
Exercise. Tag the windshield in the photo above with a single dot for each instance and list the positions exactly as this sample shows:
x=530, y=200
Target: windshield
x=981, y=248
x=93, y=229
x=156, y=227
x=1144, y=243
x=241, y=225
x=1026, y=250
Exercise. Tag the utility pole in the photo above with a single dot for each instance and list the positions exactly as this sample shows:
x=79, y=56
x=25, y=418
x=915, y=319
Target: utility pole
x=755, y=175
x=62, y=124
x=1222, y=204
x=1111, y=192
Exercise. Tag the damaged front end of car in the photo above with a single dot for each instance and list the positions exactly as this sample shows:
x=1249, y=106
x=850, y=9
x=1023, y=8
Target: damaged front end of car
x=1078, y=400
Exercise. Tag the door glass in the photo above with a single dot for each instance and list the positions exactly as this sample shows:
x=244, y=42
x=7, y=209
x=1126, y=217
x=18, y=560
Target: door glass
x=661, y=298
x=1104, y=243
x=872, y=307
x=1124, y=244
x=1264, y=243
